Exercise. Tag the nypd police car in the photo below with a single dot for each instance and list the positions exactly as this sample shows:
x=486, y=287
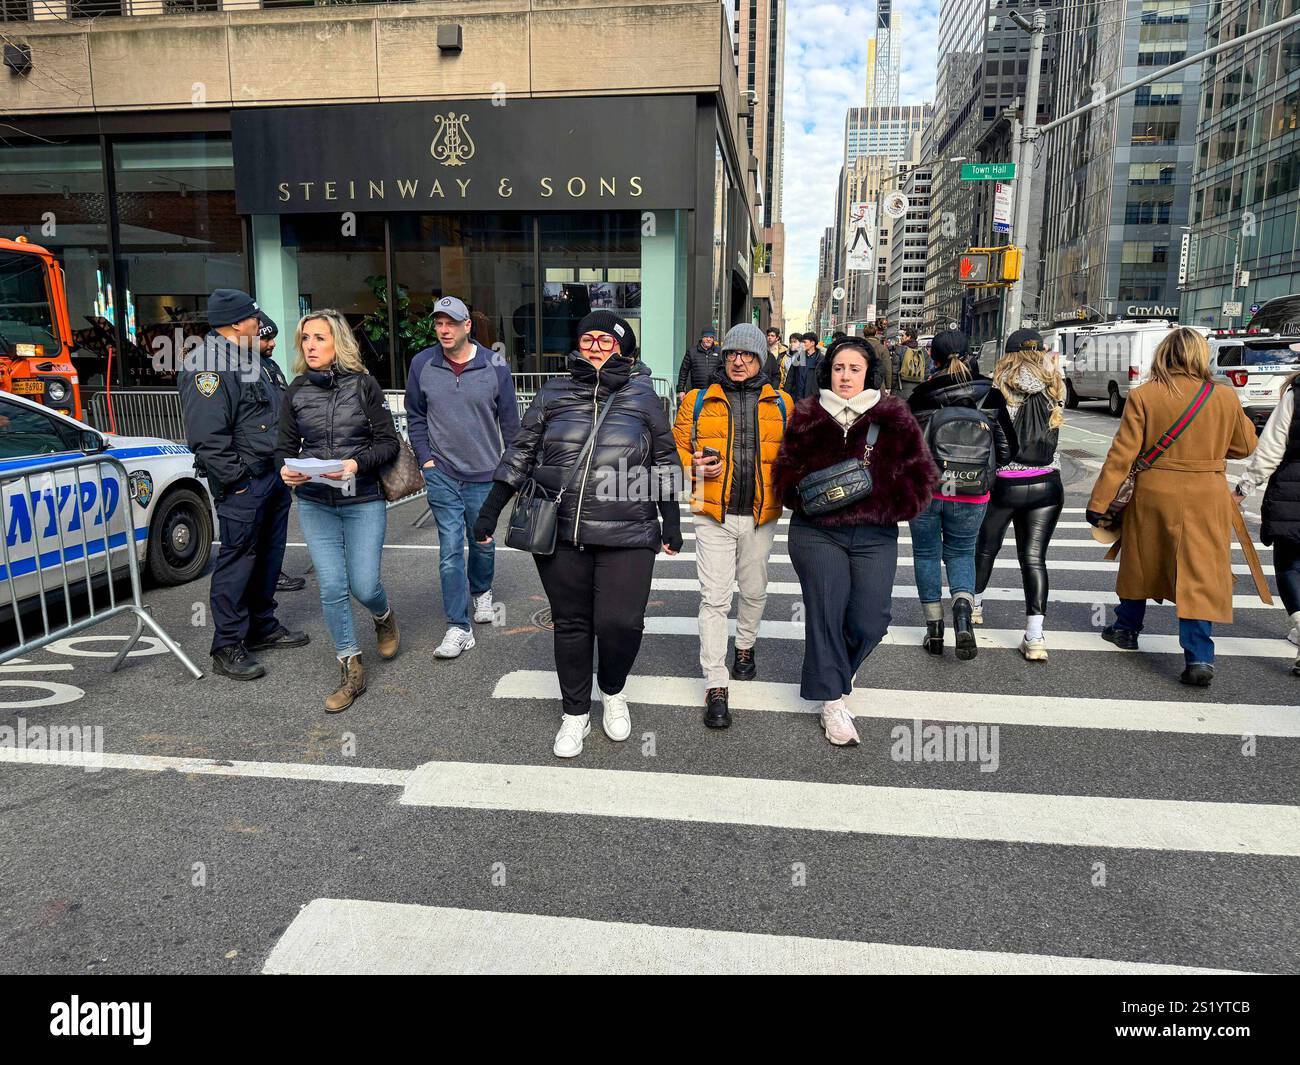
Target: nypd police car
x=47, y=517
x=1257, y=365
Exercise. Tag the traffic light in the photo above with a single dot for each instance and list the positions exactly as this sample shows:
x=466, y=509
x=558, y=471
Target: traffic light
x=993, y=267
x=975, y=267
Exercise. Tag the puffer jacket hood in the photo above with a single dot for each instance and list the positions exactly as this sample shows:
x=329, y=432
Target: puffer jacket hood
x=633, y=465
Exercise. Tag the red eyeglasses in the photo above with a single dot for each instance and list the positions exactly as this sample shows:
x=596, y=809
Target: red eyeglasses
x=597, y=342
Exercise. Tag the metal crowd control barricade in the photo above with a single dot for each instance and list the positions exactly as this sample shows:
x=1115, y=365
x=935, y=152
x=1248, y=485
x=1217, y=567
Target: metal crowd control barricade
x=57, y=570
x=139, y=412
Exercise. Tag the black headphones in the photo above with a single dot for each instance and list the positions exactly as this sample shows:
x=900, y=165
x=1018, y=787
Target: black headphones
x=824, y=368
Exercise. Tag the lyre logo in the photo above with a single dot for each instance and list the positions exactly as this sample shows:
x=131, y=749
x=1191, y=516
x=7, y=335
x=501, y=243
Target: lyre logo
x=452, y=145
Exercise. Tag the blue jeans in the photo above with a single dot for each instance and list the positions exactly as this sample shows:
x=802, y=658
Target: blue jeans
x=455, y=506
x=1194, y=636
x=949, y=530
x=346, y=544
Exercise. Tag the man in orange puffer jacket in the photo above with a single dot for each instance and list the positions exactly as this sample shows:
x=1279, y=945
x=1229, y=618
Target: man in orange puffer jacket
x=728, y=435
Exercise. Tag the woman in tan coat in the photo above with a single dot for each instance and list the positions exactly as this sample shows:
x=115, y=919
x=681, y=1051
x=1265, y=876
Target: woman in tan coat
x=1175, y=540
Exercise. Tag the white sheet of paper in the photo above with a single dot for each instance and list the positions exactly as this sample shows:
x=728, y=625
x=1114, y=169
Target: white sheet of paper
x=316, y=470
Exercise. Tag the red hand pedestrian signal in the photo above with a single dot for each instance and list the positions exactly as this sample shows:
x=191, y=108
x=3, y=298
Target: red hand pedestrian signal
x=973, y=268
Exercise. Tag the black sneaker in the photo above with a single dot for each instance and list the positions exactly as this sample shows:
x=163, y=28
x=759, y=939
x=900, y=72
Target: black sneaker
x=1198, y=675
x=280, y=637
x=743, y=666
x=1126, y=639
x=285, y=583
x=716, y=713
x=236, y=663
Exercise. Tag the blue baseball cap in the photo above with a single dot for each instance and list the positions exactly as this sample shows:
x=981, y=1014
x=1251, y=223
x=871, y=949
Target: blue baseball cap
x=452, y=308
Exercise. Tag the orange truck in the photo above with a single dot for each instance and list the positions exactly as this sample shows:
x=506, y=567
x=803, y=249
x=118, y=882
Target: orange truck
x=35, y=331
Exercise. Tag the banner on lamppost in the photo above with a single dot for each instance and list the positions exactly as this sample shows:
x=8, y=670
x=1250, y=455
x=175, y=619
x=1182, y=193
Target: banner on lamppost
x=1002, y=207
x=859, y=252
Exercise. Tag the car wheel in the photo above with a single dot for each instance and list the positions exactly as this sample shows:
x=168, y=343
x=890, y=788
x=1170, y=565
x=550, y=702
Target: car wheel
x=1114, y=402
x=180, y=538
x=1071, y=397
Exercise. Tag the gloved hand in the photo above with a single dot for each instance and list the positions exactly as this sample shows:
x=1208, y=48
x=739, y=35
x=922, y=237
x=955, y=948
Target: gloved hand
x=486, y=522
x=670, y=515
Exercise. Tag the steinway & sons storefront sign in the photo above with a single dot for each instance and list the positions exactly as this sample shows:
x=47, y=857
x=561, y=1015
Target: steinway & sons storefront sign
x=585, y=153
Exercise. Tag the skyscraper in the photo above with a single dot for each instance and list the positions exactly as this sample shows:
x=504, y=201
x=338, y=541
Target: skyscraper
x=884, y=56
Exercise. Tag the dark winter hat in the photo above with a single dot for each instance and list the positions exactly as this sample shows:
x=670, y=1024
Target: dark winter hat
x=709, y=333
x=1025, y=338
x=268, y=330
x=226, y=306
x=609, y=322
x=949, y=343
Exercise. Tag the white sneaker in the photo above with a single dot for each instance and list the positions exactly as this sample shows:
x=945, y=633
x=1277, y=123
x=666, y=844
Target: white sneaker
x=1034, y=650
x=1294, y=636
x=837, y=723
x=977, y=615
x=616, y=720
x=483, y=608
x=456, y=640
x=573, y=730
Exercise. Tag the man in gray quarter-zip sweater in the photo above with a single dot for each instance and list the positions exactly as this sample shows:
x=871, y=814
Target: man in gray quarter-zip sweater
x=461, y=415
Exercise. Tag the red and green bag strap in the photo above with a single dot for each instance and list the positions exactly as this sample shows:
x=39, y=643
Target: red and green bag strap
x=1167, y=438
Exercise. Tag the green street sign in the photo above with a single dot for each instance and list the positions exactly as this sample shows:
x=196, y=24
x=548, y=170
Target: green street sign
x=988, y=171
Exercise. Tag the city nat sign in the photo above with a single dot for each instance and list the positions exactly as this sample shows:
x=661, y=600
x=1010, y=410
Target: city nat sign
x=598, y=153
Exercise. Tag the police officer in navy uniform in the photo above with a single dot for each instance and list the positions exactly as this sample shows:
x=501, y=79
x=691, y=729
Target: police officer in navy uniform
x=231, y=400
x=266, y=334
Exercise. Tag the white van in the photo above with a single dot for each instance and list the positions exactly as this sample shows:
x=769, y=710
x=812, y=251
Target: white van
x=1104, y=361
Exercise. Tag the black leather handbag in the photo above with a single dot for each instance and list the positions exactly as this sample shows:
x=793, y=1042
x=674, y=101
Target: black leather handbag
x=840, y=485
x=535, y=519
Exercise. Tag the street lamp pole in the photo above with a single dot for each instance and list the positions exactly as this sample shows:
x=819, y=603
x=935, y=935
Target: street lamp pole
x=1023, y=135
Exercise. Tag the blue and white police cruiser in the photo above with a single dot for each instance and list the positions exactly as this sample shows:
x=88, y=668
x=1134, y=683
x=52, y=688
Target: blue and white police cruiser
x=171, y=508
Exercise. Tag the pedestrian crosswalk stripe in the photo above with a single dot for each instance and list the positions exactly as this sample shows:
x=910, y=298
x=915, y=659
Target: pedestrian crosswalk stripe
x=1147, y=715
x=1053, y=564
x=364, y=937
x=998, y=639
x=928, y=813
x=1011, y=595
x=1057, y=542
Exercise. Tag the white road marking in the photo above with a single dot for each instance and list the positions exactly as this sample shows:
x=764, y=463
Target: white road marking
x=928, y=813
x=357, y=936
x=1054, y=564
x=1148, y=715
x=907, y=593
x=1069, y=543
x=998, y=639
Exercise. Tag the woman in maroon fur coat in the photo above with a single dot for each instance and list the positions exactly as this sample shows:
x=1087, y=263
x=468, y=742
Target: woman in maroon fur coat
x=846, y=559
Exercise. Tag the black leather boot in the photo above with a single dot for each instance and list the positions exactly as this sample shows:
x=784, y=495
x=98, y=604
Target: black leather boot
x=933, y=641
x=236, y=663
x=1198, y=675
x=962, y=632
x=743, y=666
x=716, y=712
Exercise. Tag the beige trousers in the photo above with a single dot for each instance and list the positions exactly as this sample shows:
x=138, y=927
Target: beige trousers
x=729, y=553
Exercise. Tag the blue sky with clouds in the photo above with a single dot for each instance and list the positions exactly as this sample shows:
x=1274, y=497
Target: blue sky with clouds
x=825, y=75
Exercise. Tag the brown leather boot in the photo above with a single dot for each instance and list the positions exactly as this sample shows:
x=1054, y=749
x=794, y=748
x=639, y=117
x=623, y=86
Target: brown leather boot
x=352, y=682
x=386, y=632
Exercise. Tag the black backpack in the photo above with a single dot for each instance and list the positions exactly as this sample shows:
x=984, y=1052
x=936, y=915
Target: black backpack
x=1037, y=440
x=961, y=441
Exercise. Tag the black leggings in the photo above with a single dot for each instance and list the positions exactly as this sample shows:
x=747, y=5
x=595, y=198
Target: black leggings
x=598, y=596
x=1286, y=564
x=1034, y=508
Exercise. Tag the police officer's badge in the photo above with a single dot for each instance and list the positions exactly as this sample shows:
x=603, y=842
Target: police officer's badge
x=207, y=383
x=142, y=487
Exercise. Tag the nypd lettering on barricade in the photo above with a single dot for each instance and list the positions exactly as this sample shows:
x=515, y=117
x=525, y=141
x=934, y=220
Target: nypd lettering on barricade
x=52, y=504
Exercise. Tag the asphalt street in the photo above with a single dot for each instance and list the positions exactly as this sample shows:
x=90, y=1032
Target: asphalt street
x=1125, y=820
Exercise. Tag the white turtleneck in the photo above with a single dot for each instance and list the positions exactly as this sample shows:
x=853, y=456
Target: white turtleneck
x=848, y=411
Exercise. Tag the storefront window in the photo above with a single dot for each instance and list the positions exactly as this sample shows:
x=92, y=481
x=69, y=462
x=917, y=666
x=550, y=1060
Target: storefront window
x=53, y=194
x=485, y=260
x=340, y=265
x=590, y=261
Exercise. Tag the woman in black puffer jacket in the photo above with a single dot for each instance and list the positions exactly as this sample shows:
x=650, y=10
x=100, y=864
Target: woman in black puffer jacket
x=335, y=409
x=598, y=579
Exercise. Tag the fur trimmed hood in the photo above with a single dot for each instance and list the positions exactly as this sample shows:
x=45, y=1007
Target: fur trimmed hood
x=903, y=473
